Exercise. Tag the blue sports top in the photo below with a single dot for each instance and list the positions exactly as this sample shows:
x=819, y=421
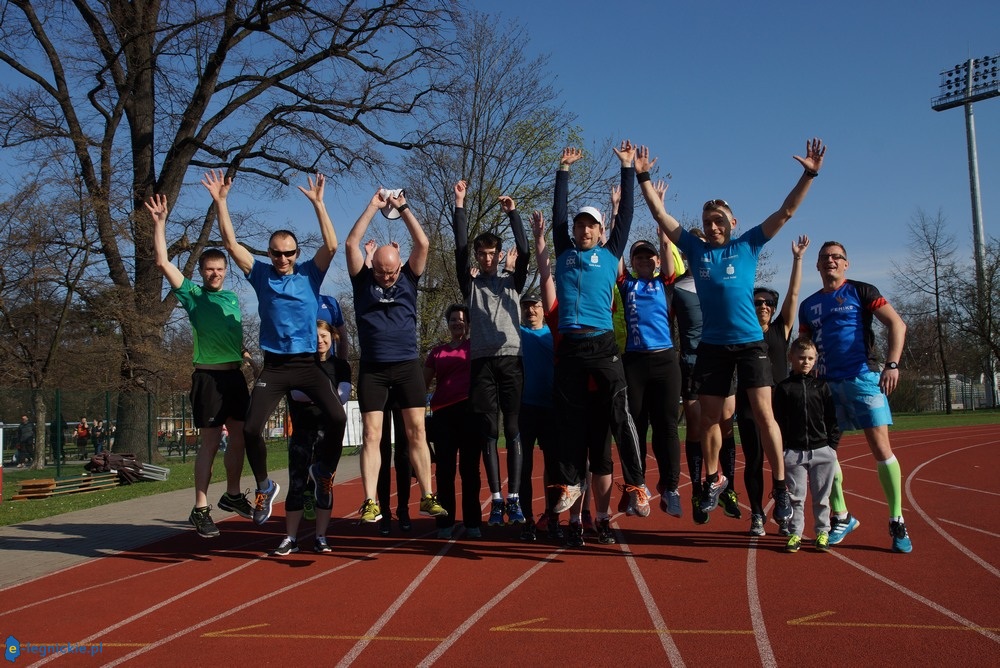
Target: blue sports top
x=725, y=277
x=329, y=310
x=287, y=306
x=387, y=318
x=840, y=324
x=647, y=318
x=538, y=354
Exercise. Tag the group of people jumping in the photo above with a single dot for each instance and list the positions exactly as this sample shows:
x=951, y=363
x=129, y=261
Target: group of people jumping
x=601, y=350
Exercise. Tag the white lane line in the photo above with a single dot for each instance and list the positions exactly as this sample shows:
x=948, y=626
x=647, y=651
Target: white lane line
x=966, y=526
x=394, y=607
x=970, y=625
x=474, y=618
x=764, y=649
x=666, y=639
x=988, y=567
x=959, y=488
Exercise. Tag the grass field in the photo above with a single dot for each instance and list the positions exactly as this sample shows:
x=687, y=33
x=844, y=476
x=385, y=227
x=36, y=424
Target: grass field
x=182, y=474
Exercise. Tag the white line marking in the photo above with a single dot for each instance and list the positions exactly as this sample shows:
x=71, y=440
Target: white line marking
x=959, y=487
x=767, y=658
x=966, y=526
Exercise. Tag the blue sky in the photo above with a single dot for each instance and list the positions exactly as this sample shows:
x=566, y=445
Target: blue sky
x=726, y=92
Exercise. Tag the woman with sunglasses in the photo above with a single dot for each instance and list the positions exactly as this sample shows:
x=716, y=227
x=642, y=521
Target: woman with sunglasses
x=732, y=339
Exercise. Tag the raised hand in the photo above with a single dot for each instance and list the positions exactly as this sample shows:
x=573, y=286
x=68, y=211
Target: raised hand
x=642, y=161
x=510, y=259
x=460, y=190
x=370, y=247
x=661, y=188
x=315, y=190
x=799, y=247
x=625, y=153
x=507, y=203
x=399, y=200
x=570, y=155
x=815, y=150
x=157, y=207
x=379, y=199
x=616, y=197
x=537, y=224
x=217, y=184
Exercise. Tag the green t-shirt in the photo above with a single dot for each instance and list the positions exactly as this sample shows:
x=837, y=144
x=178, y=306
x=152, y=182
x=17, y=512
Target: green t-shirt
x=216, y=323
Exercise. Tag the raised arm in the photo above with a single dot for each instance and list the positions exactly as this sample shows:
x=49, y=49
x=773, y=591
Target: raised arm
x=157, y=207
x=352, y=245
x=560, y=207
x=521, y=251
x=896, y=335
x=545, y=282
x=218, y=187
x=460, y=228
x=811, y=164
x=618, y=236
x=667, y=267
x=791, y=302
x=324, y=255
x=370, y=247
x=421, y=244
x=664, y=220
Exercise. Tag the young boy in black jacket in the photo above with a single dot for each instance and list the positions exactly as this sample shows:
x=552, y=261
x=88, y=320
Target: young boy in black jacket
x=804, y=410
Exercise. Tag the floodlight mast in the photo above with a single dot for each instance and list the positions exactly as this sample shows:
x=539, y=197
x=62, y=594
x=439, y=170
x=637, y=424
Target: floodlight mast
x=976, y=79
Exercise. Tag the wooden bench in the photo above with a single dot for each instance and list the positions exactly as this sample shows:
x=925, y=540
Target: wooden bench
x=44, y=488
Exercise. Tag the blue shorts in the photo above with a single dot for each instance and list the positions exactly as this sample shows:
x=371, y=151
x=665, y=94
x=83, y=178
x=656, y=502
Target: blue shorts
x=860, y=402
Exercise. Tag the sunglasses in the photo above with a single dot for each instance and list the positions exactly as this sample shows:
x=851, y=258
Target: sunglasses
x=278, y=253
x=831, y=256
x=765, y=302
x=715, y=204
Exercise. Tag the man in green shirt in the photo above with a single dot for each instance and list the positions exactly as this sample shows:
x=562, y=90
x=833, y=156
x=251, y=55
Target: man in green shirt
x=218, y=389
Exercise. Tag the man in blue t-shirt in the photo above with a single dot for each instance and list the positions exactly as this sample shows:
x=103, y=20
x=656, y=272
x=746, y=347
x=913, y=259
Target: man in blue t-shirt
x=287, y=302
x=724, y=270
x=385, y=308
x=838, y=318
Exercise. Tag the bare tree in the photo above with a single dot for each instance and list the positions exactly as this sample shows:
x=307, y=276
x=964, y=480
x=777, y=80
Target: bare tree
x=136, y=94
x=923, y=279
x=978, y=313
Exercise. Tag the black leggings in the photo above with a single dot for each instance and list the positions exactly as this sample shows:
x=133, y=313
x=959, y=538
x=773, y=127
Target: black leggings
x=392, y=421
x=753, y=453
x=454, y=441
x=654, y=390
x=496, y=384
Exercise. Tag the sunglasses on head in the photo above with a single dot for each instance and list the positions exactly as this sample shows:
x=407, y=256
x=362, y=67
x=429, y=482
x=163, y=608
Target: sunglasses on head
x=765, y=302
x=278, y=253
x=716, y=204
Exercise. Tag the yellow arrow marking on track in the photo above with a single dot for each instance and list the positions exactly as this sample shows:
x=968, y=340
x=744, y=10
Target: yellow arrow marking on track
x=523, y=627
x=238, y=633
x=809, y=620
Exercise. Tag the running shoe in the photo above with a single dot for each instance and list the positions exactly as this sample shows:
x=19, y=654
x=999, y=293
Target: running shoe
x=568, y=496
x=444, y=533
x=793, y=544
x=710, y=493
x=574, y=537
x=757, y=525
x=308, y=504
x=201, y=520
x=474, y=533
x=605, y=536
x=236, y=504
x=385, y=526
x=264, y=501
x=429, y=506
x=403, y=517
x=513, y=512
x=782, y=505
x=697, y=514
x=673, y=503
x=588, y=522
x=623, y=502
x=496, y=514
x=822, y=542
x=321, y=546
x=840, y=528
x=529, y=533
x=730, y=504
x=322, y=481
x=900, y=539
x=288, y=545
x=370, y=512
x=782, y=527
x=638, y=504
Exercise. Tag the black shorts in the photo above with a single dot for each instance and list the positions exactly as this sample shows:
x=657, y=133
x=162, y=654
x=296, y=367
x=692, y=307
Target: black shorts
x=217, y=396
x=496, y=383
x=713, y=372
x=402, y=382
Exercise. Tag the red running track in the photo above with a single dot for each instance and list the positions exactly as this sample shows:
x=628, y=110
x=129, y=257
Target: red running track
x=669, y=592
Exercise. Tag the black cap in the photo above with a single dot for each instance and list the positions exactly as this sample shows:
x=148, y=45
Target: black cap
x=643, y=245
x=531, y=298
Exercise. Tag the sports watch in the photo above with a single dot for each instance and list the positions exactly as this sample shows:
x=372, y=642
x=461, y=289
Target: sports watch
x=892, y=365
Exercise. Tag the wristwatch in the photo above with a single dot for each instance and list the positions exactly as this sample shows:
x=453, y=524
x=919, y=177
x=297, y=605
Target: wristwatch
x=892, y=365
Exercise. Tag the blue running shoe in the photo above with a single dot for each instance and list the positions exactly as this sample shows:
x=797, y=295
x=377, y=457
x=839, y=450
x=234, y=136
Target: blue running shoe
x=900, y=539
x=710, y=494
x=513, y=510
x=322, y=481
x=840, y=528
x=782, y=505
x=496, y=514
x=263, y=502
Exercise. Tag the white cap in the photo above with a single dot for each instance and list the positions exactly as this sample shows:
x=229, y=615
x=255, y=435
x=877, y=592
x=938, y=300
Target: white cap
x=592, y=212
x=389, y=211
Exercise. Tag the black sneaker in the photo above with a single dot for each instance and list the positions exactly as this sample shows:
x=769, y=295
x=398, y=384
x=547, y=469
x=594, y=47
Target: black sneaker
x=385, y=525
x=287, y=546
x=321, y=546
x=202, y=522
x=782, y=505
x=528, y=533
x=236, y=504
x=574, y=536
x=322, y=481
x=263, y=502
x=404, y=520
x=697, y=514
x=730, y=504
x=604, y=534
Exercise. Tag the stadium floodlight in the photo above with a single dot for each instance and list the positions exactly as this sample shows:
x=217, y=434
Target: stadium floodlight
x=974, y=80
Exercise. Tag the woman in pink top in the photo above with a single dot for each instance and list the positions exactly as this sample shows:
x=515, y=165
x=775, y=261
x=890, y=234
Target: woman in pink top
x=454, y=430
